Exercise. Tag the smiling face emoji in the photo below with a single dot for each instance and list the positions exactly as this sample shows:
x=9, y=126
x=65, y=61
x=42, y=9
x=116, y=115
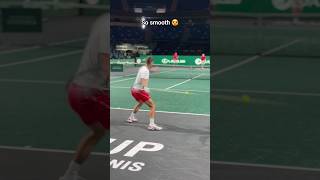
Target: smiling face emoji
x=175, y=22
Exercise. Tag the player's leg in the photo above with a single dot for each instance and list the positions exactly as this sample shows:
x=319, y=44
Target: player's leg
x=84, y=149
x=136, y=95
x=94, y=112
x=136, y=108
x=175, y=62
x=203, y=64
x=152, y=113
x=88, y=142
x=297, y=8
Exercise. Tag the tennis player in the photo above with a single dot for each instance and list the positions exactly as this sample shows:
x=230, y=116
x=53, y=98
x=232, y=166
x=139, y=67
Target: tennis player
x=175, y=58
x=203, y=60
x=141, y=94
x=88, y=94
x=297, y=8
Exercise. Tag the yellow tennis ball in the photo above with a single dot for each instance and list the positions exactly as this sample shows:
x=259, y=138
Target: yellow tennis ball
x=246, y=99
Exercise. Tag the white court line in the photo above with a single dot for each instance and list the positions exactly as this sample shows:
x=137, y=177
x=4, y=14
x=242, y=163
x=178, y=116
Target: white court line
x=19, y=50
x=191, y=90
x=165, y=112
x=181, y=90
x=47, y=150
x=269, y=92
x=248, y=60
x=178, y=84
x=38, y=47
x=117, y=77
x=135, y=77
x=122, y=80
x=63, y=82
x=67, y=41
x=176, y=90
x=295, y=168
x=32, y=81
x=44, y=58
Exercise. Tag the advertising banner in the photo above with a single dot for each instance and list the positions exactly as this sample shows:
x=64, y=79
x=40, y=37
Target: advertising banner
x=265, y=6
x=183, y=60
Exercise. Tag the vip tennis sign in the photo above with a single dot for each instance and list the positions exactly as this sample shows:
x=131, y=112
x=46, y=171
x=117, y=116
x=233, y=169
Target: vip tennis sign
x=129, y=149
x=182, y=60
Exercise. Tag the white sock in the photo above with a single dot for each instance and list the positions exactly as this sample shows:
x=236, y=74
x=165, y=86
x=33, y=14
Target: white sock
x=151, y=121
x=73, y=168
x=133, y=115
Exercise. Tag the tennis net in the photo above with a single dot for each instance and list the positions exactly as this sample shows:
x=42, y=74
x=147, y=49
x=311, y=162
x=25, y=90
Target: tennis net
x=162, y=71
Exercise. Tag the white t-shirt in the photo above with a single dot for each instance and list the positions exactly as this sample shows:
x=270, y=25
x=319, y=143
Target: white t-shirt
x=143, y=73
x=90, y=72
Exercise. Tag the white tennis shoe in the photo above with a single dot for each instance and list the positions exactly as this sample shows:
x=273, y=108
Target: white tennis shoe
x=132, y=119
x=154, y=127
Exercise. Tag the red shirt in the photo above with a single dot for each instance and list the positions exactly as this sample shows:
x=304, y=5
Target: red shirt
x=203, y=58
x=175, y=56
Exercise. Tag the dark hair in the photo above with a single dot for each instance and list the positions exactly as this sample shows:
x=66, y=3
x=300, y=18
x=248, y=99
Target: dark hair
x=149, y=60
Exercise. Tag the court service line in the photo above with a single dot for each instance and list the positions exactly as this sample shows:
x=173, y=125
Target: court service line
x=178, y=84
x=117, y=77
x=294, y=168
x=122, y=80
x=248, y=60
x=269, y=92
x=38, y=47
x=165, y=112
x=134, y=77
x=32, y=81
x=67, y=41
x=181, y=90
x=19, y=50
x=47, y=150
x=161, y=90
x=44, y=58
